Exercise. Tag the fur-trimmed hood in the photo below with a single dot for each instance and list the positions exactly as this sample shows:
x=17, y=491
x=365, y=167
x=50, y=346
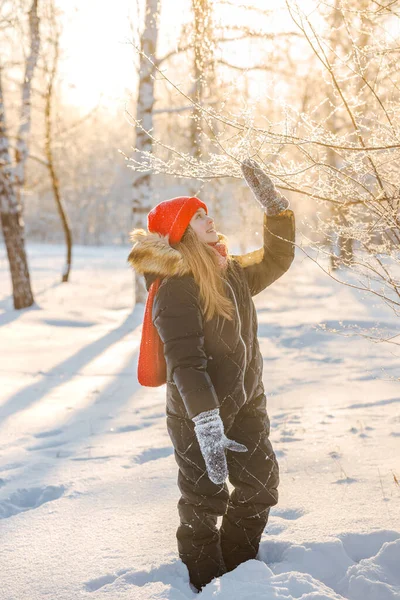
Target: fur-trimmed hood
x=151, y=253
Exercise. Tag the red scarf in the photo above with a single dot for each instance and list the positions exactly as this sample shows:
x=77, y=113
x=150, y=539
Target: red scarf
x=221, y=252
x=152, y=368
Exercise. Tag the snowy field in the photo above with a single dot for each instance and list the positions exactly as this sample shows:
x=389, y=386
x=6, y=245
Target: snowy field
x=87, y=475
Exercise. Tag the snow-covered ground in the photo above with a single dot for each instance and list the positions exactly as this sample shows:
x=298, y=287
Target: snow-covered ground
x=87, y=474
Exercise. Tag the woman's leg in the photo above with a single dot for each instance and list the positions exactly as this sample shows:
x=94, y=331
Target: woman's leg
x=199, y=506
x=255, y=477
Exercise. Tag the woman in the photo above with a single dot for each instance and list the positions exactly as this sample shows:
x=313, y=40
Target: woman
x=200, y=313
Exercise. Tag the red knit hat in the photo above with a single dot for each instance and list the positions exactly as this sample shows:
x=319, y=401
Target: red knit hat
x=169, y=218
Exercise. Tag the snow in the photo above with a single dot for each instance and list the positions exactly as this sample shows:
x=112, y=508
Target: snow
x=87, y=475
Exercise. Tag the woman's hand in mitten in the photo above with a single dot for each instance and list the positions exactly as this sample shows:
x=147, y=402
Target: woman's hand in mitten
x=212, y=440
x=271, y=201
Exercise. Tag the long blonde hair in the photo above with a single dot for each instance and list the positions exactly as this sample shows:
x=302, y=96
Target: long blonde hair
x=207, y=273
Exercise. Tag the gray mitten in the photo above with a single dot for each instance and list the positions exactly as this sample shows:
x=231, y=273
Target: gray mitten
x=212, y=440
x=271, y=201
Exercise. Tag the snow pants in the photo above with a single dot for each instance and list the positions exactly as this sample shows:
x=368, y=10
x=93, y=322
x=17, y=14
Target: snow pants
x=254, y=475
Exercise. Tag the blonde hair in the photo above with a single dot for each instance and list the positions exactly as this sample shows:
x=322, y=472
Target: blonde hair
x=207, y=273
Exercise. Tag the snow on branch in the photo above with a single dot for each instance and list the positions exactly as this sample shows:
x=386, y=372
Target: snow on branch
x=338, y=149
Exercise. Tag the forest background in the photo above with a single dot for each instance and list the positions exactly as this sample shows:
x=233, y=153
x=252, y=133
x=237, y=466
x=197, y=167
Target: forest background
x=182, y=92
x=106, y=109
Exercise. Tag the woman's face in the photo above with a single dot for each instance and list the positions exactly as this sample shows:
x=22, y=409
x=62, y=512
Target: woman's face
x=203, y=226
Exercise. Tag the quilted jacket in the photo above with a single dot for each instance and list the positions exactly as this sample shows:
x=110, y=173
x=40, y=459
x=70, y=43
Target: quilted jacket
x=216, y=363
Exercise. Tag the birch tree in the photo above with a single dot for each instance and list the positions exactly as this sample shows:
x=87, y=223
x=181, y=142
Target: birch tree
x=12, y=176
x=142, y=186
x=202, y=66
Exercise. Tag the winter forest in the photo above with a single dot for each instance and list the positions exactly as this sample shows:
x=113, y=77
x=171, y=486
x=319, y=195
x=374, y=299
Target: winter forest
x=106, y=110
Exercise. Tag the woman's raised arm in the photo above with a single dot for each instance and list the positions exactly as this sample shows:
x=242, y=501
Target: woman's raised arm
x=262, y=267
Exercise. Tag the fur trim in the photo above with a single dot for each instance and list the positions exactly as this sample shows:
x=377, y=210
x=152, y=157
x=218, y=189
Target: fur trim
x=151, y=253
x=251, y=258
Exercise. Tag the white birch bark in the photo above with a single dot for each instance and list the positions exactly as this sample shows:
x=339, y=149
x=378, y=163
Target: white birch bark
x=13, y=231
x=142, y=185
x=12, y=178
x=21, y=151
x=202, y=66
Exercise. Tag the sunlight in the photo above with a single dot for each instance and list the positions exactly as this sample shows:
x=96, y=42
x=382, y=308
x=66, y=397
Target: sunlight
x=100, y=63
x=177, y=416
x=50, y=400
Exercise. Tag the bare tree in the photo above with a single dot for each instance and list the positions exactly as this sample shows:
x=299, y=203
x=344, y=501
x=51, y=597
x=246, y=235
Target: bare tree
x=341, y=247
x=12, y=177
x=50, y=67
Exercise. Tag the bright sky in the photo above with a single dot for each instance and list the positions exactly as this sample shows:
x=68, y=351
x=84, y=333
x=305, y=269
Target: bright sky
x=98, y=58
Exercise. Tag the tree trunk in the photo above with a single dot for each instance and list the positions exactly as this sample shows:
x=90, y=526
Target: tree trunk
x=142, y=186
x=342, y=253
x=12, y=227
x=21, y=151
x=202, y=72
x=342, y=246
x=49, y=153
x=345, y=250
x=12, y=180
x=198, y=76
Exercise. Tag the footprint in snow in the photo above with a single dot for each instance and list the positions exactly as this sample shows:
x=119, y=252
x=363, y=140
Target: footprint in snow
x=288, y=435
x=95, y=584
x=335, y=454
x=281, y=416
x=99, y=458
x=49, y=433
x=27, y=499
x=359, y=546
x=129, y=428
x=285, y=439
x=153, y=454
x=154, y=416
x=148, y=455
x=361, y=433
x=285, y=418
x=173, y=574
x=280, y=453
x=11, y=466
x=47, y=445
x=295, y=419
x=146, y=412
x=348, y=565
x=346, y=480
x=68, y=323
x=290, y=514
x=274, y=528
x=272, y=551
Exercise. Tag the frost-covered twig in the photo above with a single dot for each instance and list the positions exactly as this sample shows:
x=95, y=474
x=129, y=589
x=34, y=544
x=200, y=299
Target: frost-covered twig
x=336, y=152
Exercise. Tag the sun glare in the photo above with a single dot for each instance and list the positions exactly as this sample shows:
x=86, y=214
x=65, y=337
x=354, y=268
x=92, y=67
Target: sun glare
x=99, y=63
